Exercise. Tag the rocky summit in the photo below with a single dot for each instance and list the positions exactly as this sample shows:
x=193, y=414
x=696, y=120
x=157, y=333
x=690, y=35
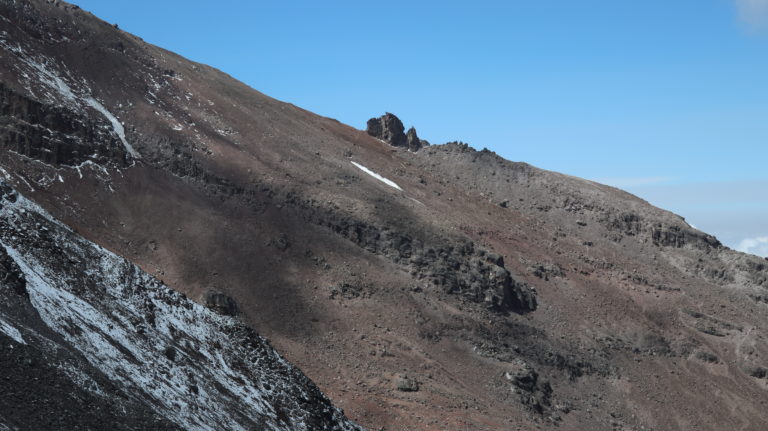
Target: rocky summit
x=180, y=251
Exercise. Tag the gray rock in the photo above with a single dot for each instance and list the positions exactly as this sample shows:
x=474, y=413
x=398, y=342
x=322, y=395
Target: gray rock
x=407, y=384
x=522, y=376
x=536, y=394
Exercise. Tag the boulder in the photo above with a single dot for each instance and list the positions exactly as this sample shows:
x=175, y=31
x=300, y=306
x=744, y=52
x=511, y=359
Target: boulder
x=407, y=384
x=220, y=303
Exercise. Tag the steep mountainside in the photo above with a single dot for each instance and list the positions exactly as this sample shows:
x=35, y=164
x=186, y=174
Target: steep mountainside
x=81, y=328
x=421, y=287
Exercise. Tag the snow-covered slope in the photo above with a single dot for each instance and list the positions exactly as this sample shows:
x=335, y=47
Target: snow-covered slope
x=190, y=366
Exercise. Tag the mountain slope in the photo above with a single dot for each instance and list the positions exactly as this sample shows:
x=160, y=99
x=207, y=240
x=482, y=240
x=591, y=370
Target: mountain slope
x=507, y=295
x=145, y=347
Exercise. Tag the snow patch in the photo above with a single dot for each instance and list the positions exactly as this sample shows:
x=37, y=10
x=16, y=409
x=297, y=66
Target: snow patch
x=417, y=201
x=11, y=331
x=23, y=204
x=53, y=81
x=212, y=380
x=119, y=129
x=68, y=96
x=377, y=176
x=114, y=347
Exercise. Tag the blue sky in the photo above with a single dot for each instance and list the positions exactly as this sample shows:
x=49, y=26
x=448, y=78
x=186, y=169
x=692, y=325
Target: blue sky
x=667, y=99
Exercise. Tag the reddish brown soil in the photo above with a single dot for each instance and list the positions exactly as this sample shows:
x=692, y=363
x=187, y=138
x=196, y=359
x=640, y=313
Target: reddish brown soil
x=248, y=199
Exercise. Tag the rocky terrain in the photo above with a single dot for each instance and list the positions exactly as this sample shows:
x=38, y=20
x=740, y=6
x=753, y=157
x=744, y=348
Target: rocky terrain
x=89, y=340
x=419, y=286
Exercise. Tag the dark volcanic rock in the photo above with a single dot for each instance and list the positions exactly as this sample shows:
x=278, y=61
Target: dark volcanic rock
x=412, y=140
x=758, y=372
x=37, y=393
x=11, y=276
x=55, y=135
x=390, y=129
x=455, y=266
x=221, y=303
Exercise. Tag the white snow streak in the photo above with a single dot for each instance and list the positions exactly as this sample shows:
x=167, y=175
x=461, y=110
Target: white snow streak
x=11, y=331
x=377, y=176
x=119, y=129
x=166, y=384
x=31, y=189
x=71, y=98
x=53, y=81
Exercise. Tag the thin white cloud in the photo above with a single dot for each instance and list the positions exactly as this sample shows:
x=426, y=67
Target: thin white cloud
x=757, y=246
x=730, y=210
x=754, y=13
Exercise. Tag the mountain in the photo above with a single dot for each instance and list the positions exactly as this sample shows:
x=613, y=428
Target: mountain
x=420, y=286
x=96, y=341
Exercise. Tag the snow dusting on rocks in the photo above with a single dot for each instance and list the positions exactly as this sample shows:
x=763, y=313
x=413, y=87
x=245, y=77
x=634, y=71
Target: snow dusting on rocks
x=193, y=367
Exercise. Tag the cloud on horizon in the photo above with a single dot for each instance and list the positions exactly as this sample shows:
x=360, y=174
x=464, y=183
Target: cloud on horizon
x=757, y=246
x=753, y=13
x=734, y=211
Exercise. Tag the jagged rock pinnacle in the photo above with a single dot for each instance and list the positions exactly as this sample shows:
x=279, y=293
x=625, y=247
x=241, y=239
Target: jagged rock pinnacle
x=390, y=129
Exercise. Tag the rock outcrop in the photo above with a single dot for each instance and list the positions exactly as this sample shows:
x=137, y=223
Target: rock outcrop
x=534, y=393
x=221, y=303
x=453, y=265
x=55, y=135
x=390, y=129
x=412, y=140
